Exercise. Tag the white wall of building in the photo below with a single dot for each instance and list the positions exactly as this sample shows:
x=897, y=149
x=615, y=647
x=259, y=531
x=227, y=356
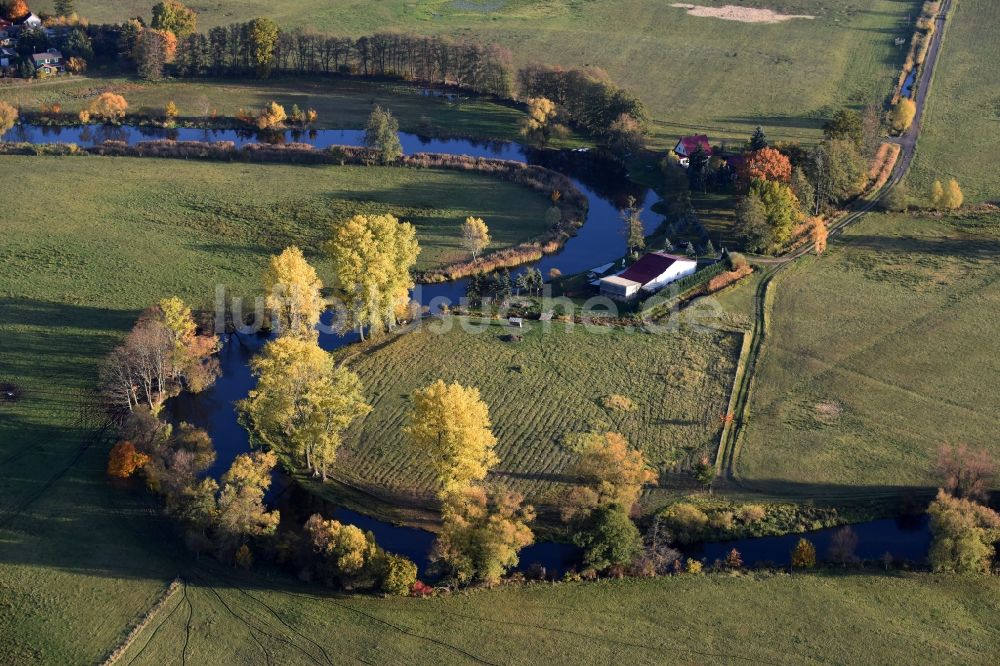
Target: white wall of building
x=677, y=270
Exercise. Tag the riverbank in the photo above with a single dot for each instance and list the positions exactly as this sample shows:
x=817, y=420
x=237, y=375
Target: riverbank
x=319, y=147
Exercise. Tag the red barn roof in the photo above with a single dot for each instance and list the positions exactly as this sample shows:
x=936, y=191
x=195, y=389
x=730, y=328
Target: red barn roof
x=689, y=144
x=650, y=267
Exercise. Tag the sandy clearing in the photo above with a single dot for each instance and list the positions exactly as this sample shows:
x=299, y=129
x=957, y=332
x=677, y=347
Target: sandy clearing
x=741, y=14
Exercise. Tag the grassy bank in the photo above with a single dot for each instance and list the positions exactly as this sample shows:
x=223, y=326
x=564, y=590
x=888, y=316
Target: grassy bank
x=961, y=132
x=876, y=354
x=340, y=103
x=804, y=619
x=541, y=391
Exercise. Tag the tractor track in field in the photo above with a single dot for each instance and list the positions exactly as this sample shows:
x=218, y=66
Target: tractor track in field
x=730, y=447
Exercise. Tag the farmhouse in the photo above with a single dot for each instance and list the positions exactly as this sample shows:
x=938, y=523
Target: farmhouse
x=49, y=62
x=30, y=21
x=688, y=145
x=651, y=273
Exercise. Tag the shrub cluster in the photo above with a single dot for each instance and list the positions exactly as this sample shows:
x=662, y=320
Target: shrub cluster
x=719, y=520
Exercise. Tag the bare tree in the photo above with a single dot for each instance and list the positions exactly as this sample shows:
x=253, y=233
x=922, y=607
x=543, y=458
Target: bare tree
x=843, y=546
x=965, y=472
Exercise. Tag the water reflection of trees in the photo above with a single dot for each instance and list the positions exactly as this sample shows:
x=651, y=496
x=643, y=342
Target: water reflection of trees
x=598, y=170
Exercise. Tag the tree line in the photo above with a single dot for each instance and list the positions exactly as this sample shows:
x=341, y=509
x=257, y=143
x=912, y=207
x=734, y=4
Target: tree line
x=170, y=43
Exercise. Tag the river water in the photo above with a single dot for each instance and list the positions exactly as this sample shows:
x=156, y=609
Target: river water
x=597, y=242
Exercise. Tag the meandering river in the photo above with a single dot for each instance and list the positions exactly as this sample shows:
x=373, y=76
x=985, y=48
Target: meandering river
x=597, y=242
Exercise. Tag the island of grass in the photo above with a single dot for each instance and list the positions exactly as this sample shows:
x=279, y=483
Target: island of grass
x=341, y=103
x=545, y=385
x=876, y=354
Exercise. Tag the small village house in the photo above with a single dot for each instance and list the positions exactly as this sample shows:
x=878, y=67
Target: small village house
x=30, y=22
x=49, y=62
x=651, y=273
x=688, y=145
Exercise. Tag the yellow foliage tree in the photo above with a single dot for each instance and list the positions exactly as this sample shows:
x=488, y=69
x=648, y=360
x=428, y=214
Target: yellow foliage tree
x=937, y=195
x=953, y=197
x=540, y=112
x=475, y=235
x=271, y=116
x=109, y=107
x=302, y=402
x=611, y=471
x=804, y=555
x=902, y=114
x=75, y=65
x=293, y=293
x=344, y=550
x=537, y=125
x=449, y=428
x=476, y=543
x=8, y=116
x=372, y=257
x=819, y=234
x=171, y=111
x=240, y=504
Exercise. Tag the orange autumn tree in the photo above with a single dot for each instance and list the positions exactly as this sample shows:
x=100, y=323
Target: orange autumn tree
x=819, y=234
x=767, y=164
x=124, y=460
x=17, y=10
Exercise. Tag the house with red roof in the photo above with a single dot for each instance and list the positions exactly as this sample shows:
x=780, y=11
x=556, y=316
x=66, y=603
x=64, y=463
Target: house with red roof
x=648, y=275
x=688, y=145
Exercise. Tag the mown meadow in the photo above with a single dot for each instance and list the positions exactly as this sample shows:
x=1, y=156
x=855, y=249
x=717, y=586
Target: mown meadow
x=543, y=392
x=694, y=73
x=782, y=619
x=960, y=137
x=877, y=353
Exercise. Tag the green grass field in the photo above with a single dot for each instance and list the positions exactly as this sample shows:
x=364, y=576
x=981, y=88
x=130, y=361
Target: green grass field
x=876, y=354
x=541, y=390
x=961, y=133
x=227, y=216
x=87, y=242
x=340, y=103
x=705, y=74
x=801, y=619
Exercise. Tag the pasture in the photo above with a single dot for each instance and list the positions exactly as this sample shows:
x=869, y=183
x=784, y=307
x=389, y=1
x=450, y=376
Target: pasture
x=227, y=216
x=961, y=131
x=541, y=392
x=777, y=619
x=877, y=353
x=694, y=73
x=87, y=243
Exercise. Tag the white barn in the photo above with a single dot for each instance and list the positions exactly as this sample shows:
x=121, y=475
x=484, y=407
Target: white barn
x=652, y=272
